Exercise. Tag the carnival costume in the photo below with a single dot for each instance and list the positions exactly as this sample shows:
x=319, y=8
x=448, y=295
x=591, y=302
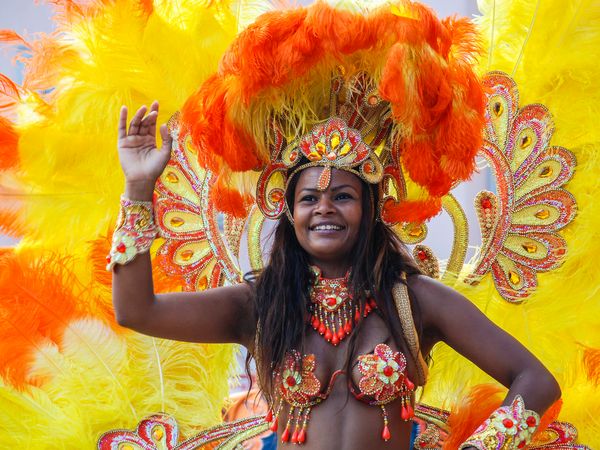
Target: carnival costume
x=385, y=92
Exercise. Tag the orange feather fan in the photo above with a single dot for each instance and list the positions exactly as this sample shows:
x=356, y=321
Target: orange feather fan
x=37, y=300
x=423, y=67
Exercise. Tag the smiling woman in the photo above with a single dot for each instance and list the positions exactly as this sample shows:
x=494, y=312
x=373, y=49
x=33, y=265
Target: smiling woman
x=360, y=121
x=339, y=290
x=327, y=223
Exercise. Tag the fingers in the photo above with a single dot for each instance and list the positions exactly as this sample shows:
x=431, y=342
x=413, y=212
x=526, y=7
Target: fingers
x=136, y=121
x=148, y=125
x=167, y=140
x=139, y=124
x=123, y=122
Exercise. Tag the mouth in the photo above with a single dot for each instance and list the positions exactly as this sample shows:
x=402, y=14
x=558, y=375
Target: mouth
x=327, y=227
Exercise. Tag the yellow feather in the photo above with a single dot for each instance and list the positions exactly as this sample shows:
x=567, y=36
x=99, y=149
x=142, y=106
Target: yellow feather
x=552, y=48
x=97, y=380
x=70, y=181
x=70, y=170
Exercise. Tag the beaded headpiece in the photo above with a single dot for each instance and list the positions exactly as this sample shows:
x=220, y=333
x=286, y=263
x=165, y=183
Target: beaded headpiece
x=404, y=107
x=354, y=138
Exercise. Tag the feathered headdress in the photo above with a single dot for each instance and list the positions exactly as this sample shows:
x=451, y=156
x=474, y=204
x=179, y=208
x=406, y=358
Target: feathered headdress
x=387, y=93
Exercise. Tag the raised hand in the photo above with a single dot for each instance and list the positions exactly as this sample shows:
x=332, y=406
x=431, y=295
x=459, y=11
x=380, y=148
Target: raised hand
x=141, y=160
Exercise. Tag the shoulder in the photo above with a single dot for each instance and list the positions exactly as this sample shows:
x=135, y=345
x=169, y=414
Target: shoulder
x=427, y=288
x=432, y=297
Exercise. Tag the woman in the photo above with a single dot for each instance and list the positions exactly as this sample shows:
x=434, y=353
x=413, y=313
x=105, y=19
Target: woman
x=328, y=320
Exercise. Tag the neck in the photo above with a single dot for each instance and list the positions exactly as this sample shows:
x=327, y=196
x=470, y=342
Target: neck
x=332, y=270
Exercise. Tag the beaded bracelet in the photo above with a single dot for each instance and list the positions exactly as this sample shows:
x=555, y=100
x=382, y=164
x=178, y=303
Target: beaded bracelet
x=134, y=233
x=507, y=428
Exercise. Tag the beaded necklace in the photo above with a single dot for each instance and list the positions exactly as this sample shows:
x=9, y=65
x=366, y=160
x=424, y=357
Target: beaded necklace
x=331, y=309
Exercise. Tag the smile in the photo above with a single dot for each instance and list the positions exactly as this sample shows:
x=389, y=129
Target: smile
x=328, y=227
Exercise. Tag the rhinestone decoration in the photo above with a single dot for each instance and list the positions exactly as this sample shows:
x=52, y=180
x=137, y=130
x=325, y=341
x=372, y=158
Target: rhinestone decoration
x=520, y=223
x=199, y=244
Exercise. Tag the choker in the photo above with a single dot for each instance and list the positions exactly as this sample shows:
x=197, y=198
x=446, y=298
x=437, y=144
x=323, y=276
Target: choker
x=332, y=313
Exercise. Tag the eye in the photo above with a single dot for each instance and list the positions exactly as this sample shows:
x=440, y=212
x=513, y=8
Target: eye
x=308, y=198
x=344, y=196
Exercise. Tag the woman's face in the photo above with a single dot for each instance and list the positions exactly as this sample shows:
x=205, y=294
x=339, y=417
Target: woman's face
x=327, y=223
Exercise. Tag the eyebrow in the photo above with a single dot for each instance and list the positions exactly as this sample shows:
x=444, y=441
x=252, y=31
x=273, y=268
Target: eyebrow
x=336, y=188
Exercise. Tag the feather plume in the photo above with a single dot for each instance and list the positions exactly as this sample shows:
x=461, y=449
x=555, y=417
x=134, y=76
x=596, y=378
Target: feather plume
x=466, y=416
x=9, y=140
x=96, y=380
x=281, y=66
x=37, y=299
x=71, y=373
x=591, y=363
x=102, y=55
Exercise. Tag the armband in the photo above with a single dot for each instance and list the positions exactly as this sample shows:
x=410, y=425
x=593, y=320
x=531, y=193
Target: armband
x=134, y=233
x=507, y=428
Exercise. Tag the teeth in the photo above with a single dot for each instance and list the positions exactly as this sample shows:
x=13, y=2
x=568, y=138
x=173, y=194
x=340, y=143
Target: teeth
x=327, y=227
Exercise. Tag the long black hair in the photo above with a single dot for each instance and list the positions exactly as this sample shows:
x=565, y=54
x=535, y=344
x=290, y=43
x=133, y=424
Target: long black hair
x=282, y=288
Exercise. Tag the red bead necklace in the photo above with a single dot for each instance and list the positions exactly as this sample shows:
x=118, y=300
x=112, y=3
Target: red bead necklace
x=332, y=313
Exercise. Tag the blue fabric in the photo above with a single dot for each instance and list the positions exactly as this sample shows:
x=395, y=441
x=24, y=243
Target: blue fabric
x=413, y=435
x=269, y=442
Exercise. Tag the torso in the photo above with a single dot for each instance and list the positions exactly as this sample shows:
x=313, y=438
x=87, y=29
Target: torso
x=342, y=421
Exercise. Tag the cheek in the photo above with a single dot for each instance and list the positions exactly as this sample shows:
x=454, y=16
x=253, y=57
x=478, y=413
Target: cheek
x=354, y=217
x=300, y=223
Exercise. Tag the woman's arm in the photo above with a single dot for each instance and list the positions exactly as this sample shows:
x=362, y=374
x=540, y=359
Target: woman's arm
x=218, y=315
x=457, y=322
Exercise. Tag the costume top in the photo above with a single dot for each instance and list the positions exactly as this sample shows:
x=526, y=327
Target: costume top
x=384, y=376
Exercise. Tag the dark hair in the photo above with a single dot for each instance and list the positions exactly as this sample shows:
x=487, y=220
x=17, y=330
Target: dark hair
x=281, y=289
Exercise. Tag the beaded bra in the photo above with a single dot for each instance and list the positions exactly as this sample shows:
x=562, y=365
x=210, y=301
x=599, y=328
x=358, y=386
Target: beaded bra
x=383, y=380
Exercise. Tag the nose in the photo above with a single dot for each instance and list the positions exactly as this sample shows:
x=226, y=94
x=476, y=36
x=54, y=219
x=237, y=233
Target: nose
x=324, y=205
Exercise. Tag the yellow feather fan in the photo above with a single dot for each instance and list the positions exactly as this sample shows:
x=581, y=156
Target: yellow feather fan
x=551, y=49
x=70, y=373
x=96, y=380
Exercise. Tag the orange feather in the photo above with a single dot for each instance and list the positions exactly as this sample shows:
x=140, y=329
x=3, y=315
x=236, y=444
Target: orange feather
x=38, y=298
x=415, y=211
x=481, y=401
x=11, y=36
x=9, y=145
x=591, y=364
x=427, y=76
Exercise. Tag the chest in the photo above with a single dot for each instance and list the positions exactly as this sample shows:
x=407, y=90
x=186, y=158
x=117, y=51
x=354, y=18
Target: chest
x=377, y=376
x=329, y=360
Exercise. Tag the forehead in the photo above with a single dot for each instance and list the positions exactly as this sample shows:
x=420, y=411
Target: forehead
x=308, y=179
